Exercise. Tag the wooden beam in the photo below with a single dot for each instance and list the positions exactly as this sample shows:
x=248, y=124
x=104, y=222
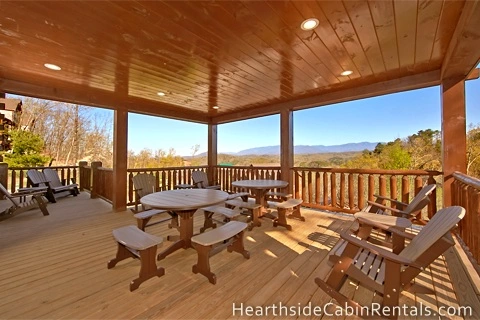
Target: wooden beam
x=286, y=147
x=120, y=151
x=422, y=80
x=462, y=55
x=475, y=74
x=212, y=151
x=74, y=93
x=454, y=133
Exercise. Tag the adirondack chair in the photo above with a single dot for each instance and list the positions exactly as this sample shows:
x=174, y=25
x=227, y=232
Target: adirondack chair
x=144, y=184
x=200, y=180
x=410, y=210
x=36, y=202
x=55, y=183
x=37, y=178
x=390, y=272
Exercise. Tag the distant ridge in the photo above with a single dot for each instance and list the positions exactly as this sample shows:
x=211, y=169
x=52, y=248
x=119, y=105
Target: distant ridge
x=301, y=149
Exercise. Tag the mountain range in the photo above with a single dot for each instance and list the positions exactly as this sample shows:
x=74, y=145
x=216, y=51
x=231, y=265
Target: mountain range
x=302, y=149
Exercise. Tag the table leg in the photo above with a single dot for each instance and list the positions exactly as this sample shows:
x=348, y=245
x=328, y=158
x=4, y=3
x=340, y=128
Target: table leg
x=186, y=233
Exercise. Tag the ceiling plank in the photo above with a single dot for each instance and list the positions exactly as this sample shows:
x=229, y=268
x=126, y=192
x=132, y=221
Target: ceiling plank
x=463, y=52
x=417, y=81
x=71, y=93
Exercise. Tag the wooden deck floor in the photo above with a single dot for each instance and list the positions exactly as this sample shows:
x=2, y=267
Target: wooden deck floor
x=55, y=267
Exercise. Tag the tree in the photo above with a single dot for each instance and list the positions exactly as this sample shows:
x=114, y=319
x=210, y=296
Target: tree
x=473, y=151
x=26, y=150
x=424, y=148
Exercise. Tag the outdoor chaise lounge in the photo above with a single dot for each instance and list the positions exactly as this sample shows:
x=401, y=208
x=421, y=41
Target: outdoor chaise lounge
x=36, y=202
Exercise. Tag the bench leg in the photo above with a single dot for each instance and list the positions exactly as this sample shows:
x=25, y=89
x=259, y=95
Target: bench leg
x=296, y=214
x=148, y=268
x=208, y=222
x=282, y=219
x=122, y=254
x=203, y=262
x=142, y=223
x=237, y=246
x=255, y=219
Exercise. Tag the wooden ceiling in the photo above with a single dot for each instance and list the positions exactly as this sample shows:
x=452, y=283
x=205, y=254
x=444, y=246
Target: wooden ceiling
x=250, y=58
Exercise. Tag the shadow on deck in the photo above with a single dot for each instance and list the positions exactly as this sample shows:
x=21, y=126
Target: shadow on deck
x=56, y=267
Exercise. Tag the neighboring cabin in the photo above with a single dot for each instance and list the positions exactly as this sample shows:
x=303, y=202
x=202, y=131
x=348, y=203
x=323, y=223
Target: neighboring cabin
x=10, y=113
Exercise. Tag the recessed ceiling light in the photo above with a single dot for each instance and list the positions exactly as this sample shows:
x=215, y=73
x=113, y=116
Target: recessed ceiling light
x=52, y=66
x=309, y=24
x=346, y=73
x=161, y=93
x=216, y=107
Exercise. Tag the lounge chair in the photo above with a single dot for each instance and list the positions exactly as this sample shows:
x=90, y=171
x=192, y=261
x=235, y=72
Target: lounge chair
x=410, y=210
x=144, y=184
x=55, y=187
x=36, y=202
x=389, y=272
x=200, y=180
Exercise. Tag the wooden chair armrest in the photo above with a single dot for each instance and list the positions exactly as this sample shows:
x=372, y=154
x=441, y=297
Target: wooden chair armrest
x=26, y=193
x=379, y=251
x=391, y=229
x=400, y=203
x=197, y=184
x=381, y=206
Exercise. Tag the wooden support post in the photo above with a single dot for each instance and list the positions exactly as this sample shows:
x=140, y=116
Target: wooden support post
x=212, y=154
x=120, y=151
x=454, y=133
x=286, y=148
x=94, y=178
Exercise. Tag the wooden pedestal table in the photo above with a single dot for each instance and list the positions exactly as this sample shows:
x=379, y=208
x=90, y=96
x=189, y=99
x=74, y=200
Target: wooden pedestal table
x=184, y=202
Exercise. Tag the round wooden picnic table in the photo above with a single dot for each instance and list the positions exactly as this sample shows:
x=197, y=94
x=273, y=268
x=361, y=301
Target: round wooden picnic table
x=260, y=188
x=184, y=202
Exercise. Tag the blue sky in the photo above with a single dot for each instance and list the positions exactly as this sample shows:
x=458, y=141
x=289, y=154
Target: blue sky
x=378, y=119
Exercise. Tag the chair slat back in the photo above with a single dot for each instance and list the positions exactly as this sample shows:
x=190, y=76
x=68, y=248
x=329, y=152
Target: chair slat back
x=52, y=176
x=441, y=223
x=200, y=176
x=36, y=177
x=8, y=195
x=418, y=202
x=144, y=184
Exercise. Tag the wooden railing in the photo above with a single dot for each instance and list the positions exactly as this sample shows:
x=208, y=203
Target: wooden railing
x=102, y=184
x=166, y=178
x=347, y=190
x=225, y=175
x=466, y=193
x=17, y=176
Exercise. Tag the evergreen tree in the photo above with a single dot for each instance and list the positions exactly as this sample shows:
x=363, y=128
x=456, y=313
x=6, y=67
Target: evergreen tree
x=26, y=150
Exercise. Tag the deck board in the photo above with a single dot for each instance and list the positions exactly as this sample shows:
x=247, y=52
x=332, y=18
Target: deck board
x=55, y=267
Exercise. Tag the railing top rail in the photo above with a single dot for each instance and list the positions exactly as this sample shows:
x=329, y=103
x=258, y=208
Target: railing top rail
x=372, y=171
x=104, y=169
x=249, y=167
x=164, y=168
x=471, y=181
x=44, y=167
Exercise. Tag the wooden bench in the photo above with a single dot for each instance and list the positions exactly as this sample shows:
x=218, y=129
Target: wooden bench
x=278, y=195
x=292, y=205
x=134, y=243
x=144, y=217
x=252, y=207
x=229, y=214
x=205, y=243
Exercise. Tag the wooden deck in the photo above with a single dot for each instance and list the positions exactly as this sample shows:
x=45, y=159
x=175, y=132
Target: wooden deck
x=56, y=267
